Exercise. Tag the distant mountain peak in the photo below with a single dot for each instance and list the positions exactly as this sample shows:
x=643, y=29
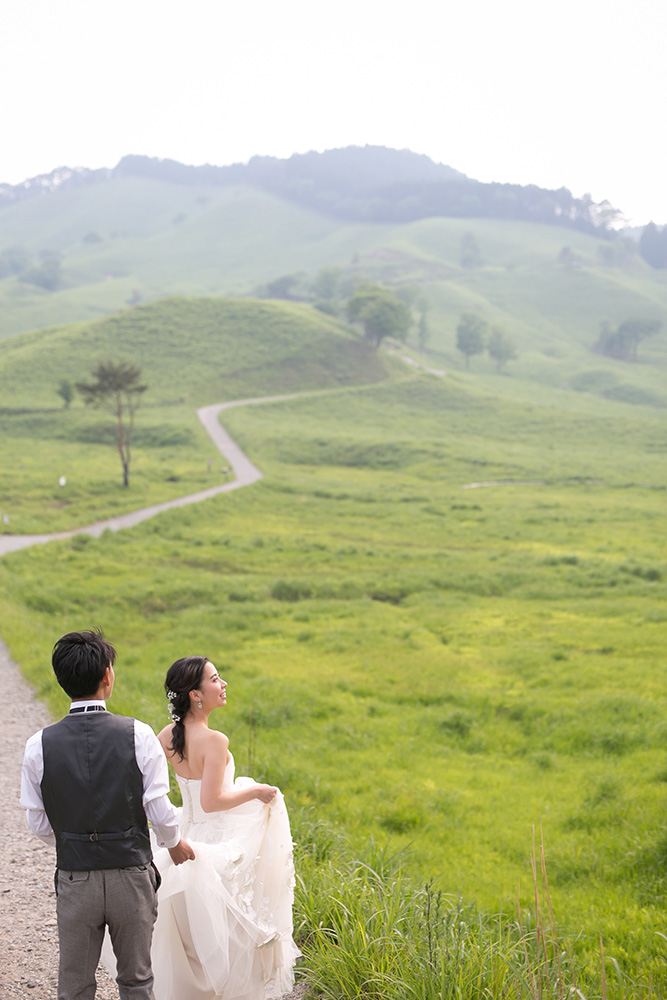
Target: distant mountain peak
x=61, y=177
x=357, y=183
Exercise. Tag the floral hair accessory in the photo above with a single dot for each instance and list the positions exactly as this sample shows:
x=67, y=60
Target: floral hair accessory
x=174, y=716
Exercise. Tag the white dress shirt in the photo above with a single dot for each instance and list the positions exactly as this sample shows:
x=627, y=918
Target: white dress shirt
x=151, y=761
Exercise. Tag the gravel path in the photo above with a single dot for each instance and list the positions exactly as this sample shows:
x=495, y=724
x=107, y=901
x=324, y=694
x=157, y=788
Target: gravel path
x=28, y=932
x=244, y=471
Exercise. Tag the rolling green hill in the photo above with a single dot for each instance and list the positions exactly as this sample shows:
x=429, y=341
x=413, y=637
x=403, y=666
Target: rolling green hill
x=161, y=238
x=136, y=238
x=191, y=352
x=194, y=351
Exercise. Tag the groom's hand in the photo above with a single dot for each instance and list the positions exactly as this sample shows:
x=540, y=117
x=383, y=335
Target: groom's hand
x=182, y=852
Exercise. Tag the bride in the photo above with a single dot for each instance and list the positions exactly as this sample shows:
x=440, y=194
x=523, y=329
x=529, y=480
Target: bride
x=224, y=925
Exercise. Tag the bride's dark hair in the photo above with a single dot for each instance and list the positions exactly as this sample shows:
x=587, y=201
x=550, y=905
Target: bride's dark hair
x=183, y=677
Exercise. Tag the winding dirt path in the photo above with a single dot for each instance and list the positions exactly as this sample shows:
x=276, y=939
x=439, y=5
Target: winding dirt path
x=244, y=471
x=28, y=933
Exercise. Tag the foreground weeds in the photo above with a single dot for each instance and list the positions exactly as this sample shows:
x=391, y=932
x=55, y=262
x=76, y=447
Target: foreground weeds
x=367, y=931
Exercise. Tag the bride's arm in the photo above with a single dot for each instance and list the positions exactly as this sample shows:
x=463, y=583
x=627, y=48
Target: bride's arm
x=213, y=799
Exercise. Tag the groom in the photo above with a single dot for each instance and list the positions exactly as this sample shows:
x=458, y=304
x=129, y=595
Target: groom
x=89, y=784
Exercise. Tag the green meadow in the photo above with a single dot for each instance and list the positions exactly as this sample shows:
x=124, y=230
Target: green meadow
x=191, y=352
x=441, y=615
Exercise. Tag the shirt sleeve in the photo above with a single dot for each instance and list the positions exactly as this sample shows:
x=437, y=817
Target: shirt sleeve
x=31, y=799
x=153, y=766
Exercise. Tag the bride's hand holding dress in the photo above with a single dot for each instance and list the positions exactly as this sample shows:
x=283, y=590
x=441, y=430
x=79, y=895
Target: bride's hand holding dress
x=224, y=926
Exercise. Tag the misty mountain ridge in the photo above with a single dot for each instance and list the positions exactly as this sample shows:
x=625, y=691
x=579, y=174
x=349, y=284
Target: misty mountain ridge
x=355, y=183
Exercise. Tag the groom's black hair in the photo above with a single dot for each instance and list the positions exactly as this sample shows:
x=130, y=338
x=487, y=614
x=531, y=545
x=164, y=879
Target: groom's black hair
x=79, y=660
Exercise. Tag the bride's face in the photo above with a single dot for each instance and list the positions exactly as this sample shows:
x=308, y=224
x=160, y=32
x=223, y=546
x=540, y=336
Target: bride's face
x=212, y=688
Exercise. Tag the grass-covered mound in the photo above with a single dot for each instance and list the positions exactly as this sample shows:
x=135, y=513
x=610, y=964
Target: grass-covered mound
x=548, y=287
x=191, y=352
x=432, y=666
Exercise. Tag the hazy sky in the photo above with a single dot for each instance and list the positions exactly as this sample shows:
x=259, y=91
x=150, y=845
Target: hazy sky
x=526, y=91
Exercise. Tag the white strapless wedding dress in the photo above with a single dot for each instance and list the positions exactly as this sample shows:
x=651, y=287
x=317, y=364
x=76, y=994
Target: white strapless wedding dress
x=224, y=925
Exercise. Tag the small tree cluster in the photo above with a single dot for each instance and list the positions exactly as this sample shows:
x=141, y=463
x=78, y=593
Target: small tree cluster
x=47, y=275
x=287, y=286
x=473, y=337
x=380, y=313
x=501, y=348
x=622, y=342
x=653, y=245
x=13, y=260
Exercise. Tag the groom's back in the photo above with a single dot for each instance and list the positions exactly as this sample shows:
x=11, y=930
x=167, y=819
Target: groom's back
x=92, y=790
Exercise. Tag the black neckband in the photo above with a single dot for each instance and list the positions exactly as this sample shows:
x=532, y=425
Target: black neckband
x=87, y=708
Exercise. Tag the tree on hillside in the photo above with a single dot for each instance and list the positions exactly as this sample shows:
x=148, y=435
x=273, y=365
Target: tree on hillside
x=423, y=329
x=653, y=245
x=66, y=392
x=284, y=287
x=419, y=304
x=379, y=312
x=470, y=335
x=325, y=283
x=501, y=348
x=13, y=260
x=47, y=275
x=623, y=342
x=632, y=331
x=117, y=389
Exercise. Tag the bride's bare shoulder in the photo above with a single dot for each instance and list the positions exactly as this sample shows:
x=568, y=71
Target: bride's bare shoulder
x=216, y=741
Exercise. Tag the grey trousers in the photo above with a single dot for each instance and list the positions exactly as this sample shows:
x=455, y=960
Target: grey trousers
x=122, y=899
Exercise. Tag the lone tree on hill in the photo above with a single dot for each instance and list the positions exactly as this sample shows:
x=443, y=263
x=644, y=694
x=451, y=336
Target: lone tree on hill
x=116, y=389
x=470, y=335
x=66, y=392
x=380, y=313
x=623, y=342
x=501, y=348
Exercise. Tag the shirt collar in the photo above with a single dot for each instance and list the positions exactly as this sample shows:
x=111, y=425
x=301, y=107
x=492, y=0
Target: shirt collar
x=96, y=702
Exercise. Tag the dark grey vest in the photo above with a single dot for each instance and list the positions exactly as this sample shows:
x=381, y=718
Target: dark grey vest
x=92, y=790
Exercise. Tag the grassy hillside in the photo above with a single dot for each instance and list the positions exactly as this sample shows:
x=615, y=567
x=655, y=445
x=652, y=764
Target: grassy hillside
x=435, y=666
x=135, y=237
x=552, y=312
x=161, y=238
x=191, y=352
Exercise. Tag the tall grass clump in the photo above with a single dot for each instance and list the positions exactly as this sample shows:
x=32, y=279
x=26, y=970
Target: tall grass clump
x=367, y=930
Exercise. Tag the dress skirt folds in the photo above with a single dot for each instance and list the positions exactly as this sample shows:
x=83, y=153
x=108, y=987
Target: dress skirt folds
x=224, y=924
